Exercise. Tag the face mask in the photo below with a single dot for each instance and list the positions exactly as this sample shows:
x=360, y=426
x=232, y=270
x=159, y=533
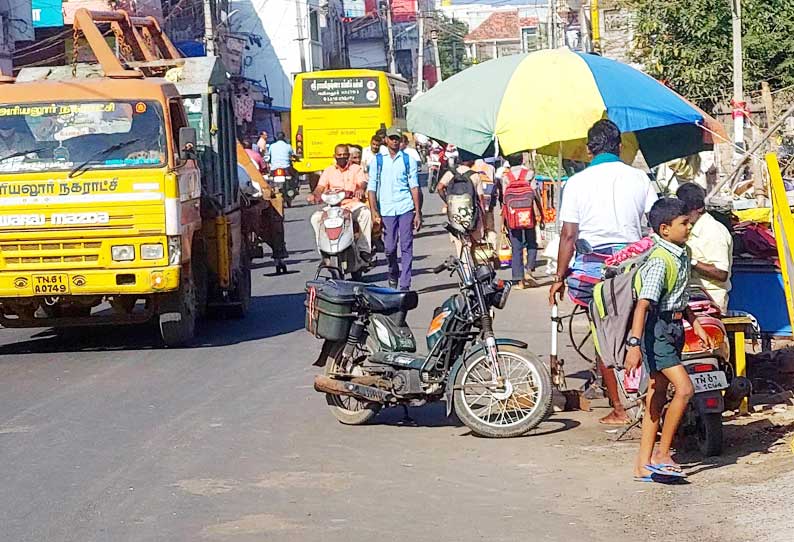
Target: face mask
x=341, y=162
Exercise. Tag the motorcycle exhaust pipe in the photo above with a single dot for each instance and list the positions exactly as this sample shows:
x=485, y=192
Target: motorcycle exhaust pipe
x=739, y=389
x=323, y=384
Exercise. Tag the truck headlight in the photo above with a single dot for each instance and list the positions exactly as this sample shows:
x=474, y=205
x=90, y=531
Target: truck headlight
x=122, y=253
x=174, y=250
x=152, y=251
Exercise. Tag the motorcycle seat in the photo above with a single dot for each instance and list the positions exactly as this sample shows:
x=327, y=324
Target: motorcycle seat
x=386, y=300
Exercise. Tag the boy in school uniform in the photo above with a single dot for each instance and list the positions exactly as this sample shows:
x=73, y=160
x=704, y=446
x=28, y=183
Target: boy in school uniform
x=657, y=337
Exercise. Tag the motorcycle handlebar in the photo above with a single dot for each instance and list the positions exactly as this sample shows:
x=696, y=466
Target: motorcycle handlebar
x=440, y=268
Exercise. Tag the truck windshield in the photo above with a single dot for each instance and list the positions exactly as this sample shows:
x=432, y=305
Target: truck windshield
x=60, y=136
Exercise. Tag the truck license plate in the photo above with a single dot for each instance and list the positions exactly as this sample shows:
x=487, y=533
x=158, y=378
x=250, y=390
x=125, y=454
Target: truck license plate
x=51, y=284
x=713, y=380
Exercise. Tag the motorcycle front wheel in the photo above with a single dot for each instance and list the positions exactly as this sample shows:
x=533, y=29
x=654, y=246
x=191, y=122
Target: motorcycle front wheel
x=511, y=404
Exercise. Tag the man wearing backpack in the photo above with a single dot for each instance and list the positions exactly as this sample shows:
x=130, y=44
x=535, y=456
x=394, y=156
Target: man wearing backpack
x=464, y=180
x=519, y=204
x=603, y=205
x=394, y=201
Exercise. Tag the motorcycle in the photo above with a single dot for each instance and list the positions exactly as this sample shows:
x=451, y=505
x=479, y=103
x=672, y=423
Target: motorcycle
x=711, y=373
x=336, y=239
x=369, y=353
x=286, y=184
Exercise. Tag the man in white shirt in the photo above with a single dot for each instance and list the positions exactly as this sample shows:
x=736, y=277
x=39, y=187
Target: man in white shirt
x=376, y=147
x=710, y=244
x=603, y=205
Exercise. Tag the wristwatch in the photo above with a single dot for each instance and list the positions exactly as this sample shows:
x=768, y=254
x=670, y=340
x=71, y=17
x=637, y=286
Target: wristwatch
x=693, y=262
x=633, y=341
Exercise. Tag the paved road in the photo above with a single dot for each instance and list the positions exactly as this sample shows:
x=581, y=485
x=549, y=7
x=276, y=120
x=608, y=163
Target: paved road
x=110, y=438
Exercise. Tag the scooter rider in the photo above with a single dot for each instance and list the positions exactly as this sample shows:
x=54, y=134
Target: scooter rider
x=347, y=176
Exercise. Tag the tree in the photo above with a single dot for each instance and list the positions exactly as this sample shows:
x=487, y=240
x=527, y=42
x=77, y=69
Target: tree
x=687, y=44
x=451, y=49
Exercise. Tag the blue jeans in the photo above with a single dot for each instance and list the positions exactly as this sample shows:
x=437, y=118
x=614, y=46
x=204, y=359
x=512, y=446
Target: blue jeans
x=520, y=240
x=399, y=228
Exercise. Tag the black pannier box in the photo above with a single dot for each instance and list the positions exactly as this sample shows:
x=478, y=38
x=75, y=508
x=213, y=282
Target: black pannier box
x=329, y=307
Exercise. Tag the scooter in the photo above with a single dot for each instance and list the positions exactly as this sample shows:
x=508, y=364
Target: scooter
x=495, y=387
x=336, y=239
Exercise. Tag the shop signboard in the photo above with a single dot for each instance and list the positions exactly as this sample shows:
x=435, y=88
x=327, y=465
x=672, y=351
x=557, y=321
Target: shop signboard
x=47, y=13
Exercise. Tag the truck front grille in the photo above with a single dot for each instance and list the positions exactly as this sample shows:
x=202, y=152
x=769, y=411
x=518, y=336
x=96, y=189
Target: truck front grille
x=24, y=255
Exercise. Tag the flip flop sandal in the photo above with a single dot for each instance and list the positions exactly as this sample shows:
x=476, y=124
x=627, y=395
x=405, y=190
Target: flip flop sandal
x=666, y=469
x=658, y=479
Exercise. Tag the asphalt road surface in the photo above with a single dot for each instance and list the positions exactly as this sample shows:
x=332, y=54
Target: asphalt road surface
x=108, y=437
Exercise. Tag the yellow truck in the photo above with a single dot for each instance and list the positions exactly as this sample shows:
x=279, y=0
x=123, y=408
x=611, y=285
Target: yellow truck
x=115, y=207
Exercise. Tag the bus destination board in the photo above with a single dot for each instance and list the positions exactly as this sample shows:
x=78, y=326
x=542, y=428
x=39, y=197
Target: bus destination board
x=333, y=92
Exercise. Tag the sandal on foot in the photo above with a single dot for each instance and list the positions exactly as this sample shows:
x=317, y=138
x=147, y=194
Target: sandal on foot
x=666, y=469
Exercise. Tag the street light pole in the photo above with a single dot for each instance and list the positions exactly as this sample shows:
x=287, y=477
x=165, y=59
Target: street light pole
x=209, y=28
x=434, y=37
x=738, y=85
x=420, y=54
x=390, y=37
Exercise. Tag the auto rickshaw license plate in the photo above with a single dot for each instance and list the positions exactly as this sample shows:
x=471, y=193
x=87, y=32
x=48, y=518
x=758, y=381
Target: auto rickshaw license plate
x=51, y=284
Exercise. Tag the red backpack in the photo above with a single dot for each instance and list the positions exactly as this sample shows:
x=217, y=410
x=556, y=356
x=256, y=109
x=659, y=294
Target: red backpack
x=518, y=202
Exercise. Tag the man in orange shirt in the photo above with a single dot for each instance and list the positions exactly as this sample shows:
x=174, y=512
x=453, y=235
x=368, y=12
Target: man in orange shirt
x=350, y=177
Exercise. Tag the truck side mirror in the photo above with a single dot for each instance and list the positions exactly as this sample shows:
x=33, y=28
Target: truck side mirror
x=187, y=143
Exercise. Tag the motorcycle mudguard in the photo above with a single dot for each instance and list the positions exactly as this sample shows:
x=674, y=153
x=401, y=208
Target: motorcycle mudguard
x=453, y=374
x=330, y=349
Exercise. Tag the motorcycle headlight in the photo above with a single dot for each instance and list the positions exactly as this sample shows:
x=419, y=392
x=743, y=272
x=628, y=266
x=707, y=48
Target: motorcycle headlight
x=152, y=251
x=174, y=250
x=122, y=253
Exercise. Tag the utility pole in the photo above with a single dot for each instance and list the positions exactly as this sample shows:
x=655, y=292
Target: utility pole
x=301, y=39
x=738, y=102
x=390, y=37
x=434, y=37
x=209, y=28
x=551, y=25
x=420, y=54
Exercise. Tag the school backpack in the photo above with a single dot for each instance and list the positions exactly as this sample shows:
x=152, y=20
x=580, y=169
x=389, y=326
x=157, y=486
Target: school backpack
x=518, y=202
x=614, y=299
x=463, y=205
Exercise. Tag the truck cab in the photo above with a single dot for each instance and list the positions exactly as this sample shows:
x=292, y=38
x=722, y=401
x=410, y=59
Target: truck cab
x=113, y=207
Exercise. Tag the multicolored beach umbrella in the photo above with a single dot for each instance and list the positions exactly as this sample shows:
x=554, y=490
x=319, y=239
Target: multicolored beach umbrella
x=547, y=100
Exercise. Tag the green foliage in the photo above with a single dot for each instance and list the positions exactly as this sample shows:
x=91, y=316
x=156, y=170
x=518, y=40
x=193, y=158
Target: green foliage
x=451, y=50
x=688, y=44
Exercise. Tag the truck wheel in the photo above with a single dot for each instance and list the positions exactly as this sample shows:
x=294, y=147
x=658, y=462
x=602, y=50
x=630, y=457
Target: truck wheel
x=709, y=434
x=178, y=315
x=241, y=296
x=201, y=282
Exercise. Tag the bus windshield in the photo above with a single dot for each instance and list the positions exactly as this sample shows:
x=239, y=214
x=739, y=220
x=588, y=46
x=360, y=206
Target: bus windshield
x=59, y=136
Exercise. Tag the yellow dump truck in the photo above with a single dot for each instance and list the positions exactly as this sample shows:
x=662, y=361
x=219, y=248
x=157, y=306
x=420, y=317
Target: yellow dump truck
x=119, y=196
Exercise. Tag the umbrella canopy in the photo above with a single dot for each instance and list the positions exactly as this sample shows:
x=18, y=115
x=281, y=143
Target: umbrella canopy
x=547, y=100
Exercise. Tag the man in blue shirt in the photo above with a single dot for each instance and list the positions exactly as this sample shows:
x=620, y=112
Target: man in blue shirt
x=394, y=200
x=281, y=153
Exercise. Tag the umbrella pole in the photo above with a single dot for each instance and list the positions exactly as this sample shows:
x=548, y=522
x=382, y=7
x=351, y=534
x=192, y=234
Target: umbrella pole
x=558, y=191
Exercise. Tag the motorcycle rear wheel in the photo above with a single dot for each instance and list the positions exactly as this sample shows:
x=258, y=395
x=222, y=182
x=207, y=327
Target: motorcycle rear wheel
x=348, y=410
x=708, y=434
x=522, y=404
